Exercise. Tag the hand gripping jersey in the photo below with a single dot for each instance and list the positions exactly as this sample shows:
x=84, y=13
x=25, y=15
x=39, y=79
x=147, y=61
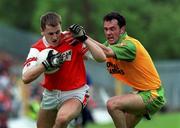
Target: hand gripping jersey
x=139, y=73
x=71, y=74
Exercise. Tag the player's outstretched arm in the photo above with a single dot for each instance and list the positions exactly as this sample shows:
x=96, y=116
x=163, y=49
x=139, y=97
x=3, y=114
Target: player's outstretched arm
x=108, y=51
x=95, y=50
x=80, y=34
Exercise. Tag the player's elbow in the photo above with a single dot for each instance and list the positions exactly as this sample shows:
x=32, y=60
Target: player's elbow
x=25, y=80
x=101, y=59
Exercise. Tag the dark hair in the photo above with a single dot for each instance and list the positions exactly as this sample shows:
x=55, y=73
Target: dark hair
x=50, y=18
x=115, y=15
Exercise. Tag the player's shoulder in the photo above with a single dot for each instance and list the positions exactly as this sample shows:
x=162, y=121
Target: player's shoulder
x=65, y=32
x=133, y=40
x=39, y=45
x=66, y=37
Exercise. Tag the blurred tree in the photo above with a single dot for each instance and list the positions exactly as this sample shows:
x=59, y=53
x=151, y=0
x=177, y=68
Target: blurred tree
x=71, y=11
x=80, y=14
x=155, y=23
x=162, y=39
x=18, y=13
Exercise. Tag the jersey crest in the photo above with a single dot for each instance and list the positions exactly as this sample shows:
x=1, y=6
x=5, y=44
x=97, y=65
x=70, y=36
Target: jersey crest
x=122, y=44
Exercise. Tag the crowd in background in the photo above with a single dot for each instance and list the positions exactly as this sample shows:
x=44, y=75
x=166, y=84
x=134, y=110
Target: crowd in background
x=11, y=100
x=16, y=100
x=8, y=97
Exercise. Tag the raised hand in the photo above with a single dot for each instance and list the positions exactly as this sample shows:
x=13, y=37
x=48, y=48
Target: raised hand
x=78, y=32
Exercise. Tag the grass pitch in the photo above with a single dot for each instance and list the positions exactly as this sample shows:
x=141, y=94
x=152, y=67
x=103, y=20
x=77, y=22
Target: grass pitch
x=164, y=120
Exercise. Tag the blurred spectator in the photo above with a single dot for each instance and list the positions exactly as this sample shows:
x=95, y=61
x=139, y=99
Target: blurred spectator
x=5, y=108
x=34, y=101
x=5, y=96
x=9, y=107
x=31, y=98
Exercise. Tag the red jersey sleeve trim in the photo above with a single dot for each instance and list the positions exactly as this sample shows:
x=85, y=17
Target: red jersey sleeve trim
x=30, y=60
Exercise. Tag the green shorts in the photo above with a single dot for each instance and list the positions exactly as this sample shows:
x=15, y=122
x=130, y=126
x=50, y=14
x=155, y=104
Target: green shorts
x=153, y=99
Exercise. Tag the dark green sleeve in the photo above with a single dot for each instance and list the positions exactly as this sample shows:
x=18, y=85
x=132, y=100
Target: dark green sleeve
x=124, y=51
x=106, y=43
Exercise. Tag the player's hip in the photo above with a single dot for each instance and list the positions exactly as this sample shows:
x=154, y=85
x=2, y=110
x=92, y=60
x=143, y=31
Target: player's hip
x=154, y=100
x=54, y=98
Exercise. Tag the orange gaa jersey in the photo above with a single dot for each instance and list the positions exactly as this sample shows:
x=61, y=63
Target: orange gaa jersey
x=133, y=65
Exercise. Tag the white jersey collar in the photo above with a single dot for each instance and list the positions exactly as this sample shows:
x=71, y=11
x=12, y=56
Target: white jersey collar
x=45, y=41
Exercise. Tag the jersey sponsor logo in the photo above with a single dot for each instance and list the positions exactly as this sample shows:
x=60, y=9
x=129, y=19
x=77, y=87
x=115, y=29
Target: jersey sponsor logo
x=67, y=55
x=114, y=69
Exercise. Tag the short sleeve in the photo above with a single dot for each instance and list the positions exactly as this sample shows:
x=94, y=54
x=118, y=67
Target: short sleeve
x=31, y=59
x=125, y=50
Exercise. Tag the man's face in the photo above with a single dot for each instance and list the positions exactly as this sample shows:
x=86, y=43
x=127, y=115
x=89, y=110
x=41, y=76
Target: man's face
x=52, y=34
x=112, y=31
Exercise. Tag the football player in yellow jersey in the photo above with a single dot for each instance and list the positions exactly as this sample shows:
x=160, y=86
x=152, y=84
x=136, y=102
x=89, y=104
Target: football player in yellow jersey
x=128, y=61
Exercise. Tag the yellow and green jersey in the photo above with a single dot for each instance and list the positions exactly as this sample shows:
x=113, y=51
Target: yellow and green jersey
x=132, y=64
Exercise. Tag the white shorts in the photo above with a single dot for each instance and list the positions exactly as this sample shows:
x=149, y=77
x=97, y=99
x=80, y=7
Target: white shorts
x=54, y=99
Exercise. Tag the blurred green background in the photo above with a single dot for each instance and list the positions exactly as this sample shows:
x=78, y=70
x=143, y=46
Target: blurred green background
x=155, y=23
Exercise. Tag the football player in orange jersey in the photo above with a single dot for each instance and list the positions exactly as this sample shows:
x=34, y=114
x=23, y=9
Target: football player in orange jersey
x=129, y=62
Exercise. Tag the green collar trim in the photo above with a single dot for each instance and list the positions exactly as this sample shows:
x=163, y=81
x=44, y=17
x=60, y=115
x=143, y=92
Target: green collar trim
x=121, y=38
